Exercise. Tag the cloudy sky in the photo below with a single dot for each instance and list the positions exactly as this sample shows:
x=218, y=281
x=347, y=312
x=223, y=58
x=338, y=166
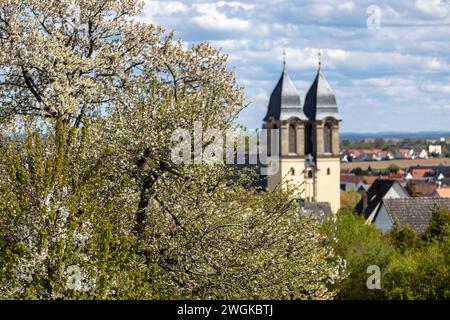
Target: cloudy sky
x=387, y=61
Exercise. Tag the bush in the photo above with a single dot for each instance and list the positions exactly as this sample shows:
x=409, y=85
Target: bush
x=412, y=266
x=361, y=245
x=402, y=238
x=359, y=172
x=439, y=227
x=349, y=199
x=393, y=168
x=419, y=274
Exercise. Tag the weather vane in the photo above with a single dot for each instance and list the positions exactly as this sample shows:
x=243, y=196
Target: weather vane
x=320, y=56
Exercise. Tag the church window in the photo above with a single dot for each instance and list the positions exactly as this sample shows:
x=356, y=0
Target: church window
x=270, y=133
x=328, y=171
x=292, y=172
x=308, y=139
x=292, y=139
x=327, y=137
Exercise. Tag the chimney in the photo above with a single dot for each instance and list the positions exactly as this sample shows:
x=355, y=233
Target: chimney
x=364, y=198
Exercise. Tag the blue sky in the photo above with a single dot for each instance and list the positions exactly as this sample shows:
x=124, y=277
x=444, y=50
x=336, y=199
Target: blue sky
x=392, y=78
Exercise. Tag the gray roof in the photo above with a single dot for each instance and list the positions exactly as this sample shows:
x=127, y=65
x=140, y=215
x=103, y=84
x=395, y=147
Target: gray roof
x=415, y=212
x=320, y=101
x=285, y=101
x=375, y=195
x=318, y=211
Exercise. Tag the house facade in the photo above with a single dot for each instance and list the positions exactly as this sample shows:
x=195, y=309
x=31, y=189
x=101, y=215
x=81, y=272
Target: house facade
x=436, y=149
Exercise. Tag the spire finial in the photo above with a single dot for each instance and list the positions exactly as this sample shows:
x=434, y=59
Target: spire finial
x=284, y=58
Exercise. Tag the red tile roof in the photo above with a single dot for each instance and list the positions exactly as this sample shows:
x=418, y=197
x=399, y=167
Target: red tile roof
x=419, y=173
x=443, y=192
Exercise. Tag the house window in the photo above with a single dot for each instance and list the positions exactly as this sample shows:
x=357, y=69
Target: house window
x=327, y=136
x=292, y=139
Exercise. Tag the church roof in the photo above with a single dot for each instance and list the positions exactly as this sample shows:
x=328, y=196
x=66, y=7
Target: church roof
x=318, y=211
x=285, y=101
x=320, y=101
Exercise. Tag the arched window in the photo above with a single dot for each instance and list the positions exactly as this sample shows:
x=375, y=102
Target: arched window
x=327, y=137
x=308, y=139
x=271, y=132
x=292, y=171
x=292, y=139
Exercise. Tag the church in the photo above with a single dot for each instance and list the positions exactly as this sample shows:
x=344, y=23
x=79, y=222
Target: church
x=309, y=139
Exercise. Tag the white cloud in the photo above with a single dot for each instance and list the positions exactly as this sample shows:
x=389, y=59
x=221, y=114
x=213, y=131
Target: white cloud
x=347, y=6
x=210, y=18
x=437, y=88
x=378, y=77
x=164, y=8
x=435, y=8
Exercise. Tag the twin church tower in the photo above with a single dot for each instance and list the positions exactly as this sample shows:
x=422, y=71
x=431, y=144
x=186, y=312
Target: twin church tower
x=309, y=139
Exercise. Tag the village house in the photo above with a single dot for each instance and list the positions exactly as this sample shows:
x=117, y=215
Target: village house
x=436, y=149
x=416, y=173
x=413, y=212
x=404, y=153
x=419, y=153
x=428, y=173
x=424, y=189
x=351, y=181
x=363, y=155
x=381, y=189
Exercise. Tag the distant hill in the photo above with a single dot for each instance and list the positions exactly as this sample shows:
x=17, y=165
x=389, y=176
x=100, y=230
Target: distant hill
x=352, y=136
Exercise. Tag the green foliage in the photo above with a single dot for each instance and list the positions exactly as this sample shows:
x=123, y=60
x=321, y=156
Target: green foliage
x=68, y=228
x=411, y=189
x=402, y=238
x=361, y=245
x=92, y=204
x=412, y=266
x=349, y=199
x=346, y=144
x=420, y=274
x=359, y=172
x=393, y=168
x=439, y=227
x=60, y=224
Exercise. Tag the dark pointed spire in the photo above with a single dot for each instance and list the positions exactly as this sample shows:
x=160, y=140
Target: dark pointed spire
x=320, y=101
x=285, y=100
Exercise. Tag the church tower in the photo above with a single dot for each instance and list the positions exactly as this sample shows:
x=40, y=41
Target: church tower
x=309, y=140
